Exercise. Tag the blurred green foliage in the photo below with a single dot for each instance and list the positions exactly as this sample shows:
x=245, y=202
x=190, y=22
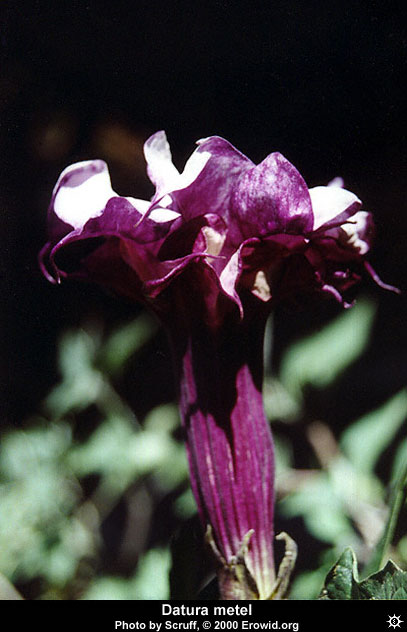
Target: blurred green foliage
x=320, y=359
x=50, y=527
x=343, y=502
x=87, y=472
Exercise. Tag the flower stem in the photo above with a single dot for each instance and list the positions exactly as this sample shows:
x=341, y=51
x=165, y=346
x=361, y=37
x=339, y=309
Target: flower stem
x=229, y=446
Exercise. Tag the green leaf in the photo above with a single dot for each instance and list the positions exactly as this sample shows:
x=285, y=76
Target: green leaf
x=397, y=498
x=152, y=578
x=389, y=583
x=39, y=535
x=124, y=342
x=342, y=581
x=81, y=384
x=279, y=404
x=320, y=358
x=122, y=454
x=321, y=507
x=150, y=581
x=364, y=441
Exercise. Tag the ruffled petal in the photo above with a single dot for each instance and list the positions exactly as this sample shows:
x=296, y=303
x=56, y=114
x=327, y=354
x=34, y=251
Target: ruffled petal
x=272, y=198
x=160, y=167
x=122, y=219
x=211, y=190
x=229, y=278
x=126, y=217
x=356, y=233
x=257, y=265
x=161, y=170
x=332, y=205
x=229, y=225
x=81, y=193
x=350, y=240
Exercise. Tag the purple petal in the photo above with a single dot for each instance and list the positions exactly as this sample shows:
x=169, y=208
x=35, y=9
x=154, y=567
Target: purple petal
x=229, y=278
x=210, y=192
x=121, y=218
x=256, y=265
x=205, y=233
x=124, y=217
x=161, y=169
x=272, y=198
x=349, y=241
x=378, y=281
x=245, y=226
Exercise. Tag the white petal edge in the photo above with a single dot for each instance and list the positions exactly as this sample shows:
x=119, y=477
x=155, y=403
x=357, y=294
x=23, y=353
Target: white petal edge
x=82, y=192
x=329, y=202
x=193, y=167
x=354, y=231
x=160, y=167
x=336, y=182
x=158, y=214
x=161, y=170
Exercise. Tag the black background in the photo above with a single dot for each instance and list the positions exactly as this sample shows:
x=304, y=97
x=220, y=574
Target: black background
x=323, y=83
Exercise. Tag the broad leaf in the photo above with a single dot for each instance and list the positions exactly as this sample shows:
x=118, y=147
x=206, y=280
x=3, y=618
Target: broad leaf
x=389, y=583
x=342, y=581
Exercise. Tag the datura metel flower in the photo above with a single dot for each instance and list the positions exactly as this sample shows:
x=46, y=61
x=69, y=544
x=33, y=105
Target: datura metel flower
x=210, y=254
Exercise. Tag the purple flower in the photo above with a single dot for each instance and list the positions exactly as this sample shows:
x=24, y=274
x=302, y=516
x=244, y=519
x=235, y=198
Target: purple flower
x=210, y=254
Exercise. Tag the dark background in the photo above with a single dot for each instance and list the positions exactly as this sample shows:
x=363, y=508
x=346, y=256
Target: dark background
x=323, y=83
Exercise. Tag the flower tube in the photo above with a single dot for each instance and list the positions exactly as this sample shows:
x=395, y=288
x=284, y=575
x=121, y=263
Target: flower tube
x=210, y=254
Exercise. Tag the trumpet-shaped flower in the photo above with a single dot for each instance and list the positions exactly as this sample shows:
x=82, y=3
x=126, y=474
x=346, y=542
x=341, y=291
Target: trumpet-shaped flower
x=210, y=254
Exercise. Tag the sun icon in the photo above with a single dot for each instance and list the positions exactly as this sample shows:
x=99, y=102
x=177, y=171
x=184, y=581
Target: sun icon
x=394, y=621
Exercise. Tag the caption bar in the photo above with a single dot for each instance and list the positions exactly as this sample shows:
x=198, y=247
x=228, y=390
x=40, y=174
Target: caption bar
x=220, y=617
